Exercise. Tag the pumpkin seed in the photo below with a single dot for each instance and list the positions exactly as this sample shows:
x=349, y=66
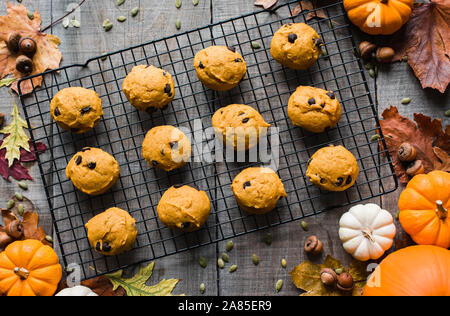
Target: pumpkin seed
x=405, y=58
x=134, y=11
x=229, y=246
x=10, y=204
x=372, y=73
x=202, y=288
x=256, y=45
x=397, y=215
x=104, y=58
x=339, y=271
x=23, y=185
x=66, y=23
x=20, y=209
x=368, y=66
x=121, y=18
x=255, y=259
x=220, y=263
x=304, y=225
x=324, y=52
x=279, y=285
x=283, y=263
x=195, y=2
x=202, y=262
x=49, y=238
x=30, y=15
x=447, y=113
x=406, y=101
x=75, y=23
x=19, y=196
x=178, y=3
x=375, y=138
x=225, y=257
x=178, y=24
x=107, y=25
x=268, y=239
x=120, y=2
x=233, y=268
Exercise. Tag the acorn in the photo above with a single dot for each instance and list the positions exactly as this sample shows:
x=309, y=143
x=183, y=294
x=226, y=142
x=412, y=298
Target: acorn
x=13, y=42
x=367, y=49
x=406, y=152
x=28, y=46
x=345, y=282
x=415, y=168
x=24, y=64
x=384, y=55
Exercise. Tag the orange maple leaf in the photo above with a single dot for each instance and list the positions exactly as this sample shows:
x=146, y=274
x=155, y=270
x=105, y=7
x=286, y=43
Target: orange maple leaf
x=47, y=54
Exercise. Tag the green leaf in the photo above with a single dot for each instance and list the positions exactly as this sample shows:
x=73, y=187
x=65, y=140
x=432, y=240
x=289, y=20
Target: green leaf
x=17, y=138
x=136, y=286
x=6, y=82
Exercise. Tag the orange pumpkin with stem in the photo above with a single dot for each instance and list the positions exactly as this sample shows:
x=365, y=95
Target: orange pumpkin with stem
x=412, y=271
x=377, y=17
x=29, y=268
x=424, y=209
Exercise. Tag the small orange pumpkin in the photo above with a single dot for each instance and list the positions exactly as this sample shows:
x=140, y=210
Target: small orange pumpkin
x=377, y=17
x=412, y=271
x=424, y=207
x=29, y=268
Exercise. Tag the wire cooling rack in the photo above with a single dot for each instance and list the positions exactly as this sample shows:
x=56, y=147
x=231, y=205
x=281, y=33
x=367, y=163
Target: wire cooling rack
x=267, y=87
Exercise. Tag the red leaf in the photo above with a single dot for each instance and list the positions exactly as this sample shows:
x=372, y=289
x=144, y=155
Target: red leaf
x=30, y=156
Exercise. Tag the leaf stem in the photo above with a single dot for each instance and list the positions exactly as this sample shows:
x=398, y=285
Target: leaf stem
x=63, y=17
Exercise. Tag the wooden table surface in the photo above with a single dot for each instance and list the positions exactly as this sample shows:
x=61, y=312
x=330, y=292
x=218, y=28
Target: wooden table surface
x=157, y=19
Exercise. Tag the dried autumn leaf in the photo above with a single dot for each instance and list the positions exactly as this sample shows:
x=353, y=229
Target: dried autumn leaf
x=47, y=55
x=100, y=285
x=311, y=6
x=136, y=286
x=425, y=39
x=266, y=4
x=306, y=276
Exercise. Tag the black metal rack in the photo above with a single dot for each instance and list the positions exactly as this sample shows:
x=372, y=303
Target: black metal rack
x=267, y=87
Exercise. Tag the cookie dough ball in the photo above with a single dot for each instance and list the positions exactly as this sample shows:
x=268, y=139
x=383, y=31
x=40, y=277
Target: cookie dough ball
x=239, y=125
x=149, y=88
x=76, y=109
x=314, y=109
x=333, y=168
x=93, y=171
x=220, y=68
x=112, y=232
x=296, y=46
x=257, y=190
x=166, y=148
x=184, y=207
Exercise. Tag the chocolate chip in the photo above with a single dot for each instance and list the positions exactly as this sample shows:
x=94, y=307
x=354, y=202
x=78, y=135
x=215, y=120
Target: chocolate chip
x=162, y=152
x=233, y=49
x=165, y=73
x=92, y=165
x=331, y=95
x=238, y=60
x=242, y=113
x=56, y=112
x=185, y=225
x=85, y=110
x=98, y=246
x=247, y=184
x=292, y=38
x=173, y=145
x=349, y=180
x=177, y=186
x=78, y=160
x=245, y=120
x=154, y=163
x=168, y=90
x=85, y=149
x=339, y=181
x=106, y=247
x=312, y=101
x=323, y=105
x=201, y=65
x=322, y=180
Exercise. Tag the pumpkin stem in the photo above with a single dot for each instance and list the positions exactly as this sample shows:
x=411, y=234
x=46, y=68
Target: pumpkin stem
x=441, y=211
x=368, y=234
x=22, y=273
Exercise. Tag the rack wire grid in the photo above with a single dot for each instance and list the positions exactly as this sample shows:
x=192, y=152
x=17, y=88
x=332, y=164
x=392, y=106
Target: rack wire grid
x=267, y=87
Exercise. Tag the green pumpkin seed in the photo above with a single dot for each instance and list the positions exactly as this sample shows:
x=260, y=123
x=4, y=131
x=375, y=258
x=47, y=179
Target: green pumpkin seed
x=225, y=257
x=324, y=52
x=75, y=23
x=195, y=2
x=20, y=209
x=122, y=18
x=447, y=113
x=279, y=285
x=405, y=58
x=202, y=262
x=202, y=288
x=19, y=196
x=10, y=204
x=368, y=66
x=255, y=259
x=49, y=239
x=397, y=215
x=66, y=23
x=23, y=185
x=229, y=246
x=304, y=225
x=120, y=2
x=256, y=45
x=268, y=239
x=178, y=24
x=233, y=268
x=406, y=101
x=220, y=263
x=374, y=138
x=134, y=11
x=30, y=15
x=372, y=73
x=339, y=271
x=178, y=4
x=283, y=263
x=107, y=25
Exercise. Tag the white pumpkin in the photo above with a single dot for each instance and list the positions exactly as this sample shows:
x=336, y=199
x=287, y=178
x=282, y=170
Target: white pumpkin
x=77, y=291
x=367, y=231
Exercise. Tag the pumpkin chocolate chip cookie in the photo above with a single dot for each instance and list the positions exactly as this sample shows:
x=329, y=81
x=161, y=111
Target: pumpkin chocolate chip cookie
x=333, y=168
x=220, y=68
x=314, y=109
x=166, y=148
x=257, y=190
x=239, y=125
x=296, y=46
x=76, y=109
x=112, y=232
x=93, y=171
x=149, y=88
x=184, y=207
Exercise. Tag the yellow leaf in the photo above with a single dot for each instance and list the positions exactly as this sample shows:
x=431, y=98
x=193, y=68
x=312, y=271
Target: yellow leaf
x=136, y=286
x=17, y=138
